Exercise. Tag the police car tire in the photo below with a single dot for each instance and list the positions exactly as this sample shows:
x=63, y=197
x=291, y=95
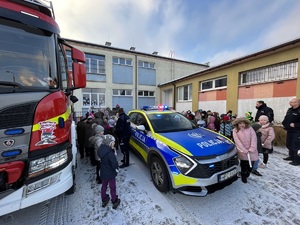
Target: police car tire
x=158, y=168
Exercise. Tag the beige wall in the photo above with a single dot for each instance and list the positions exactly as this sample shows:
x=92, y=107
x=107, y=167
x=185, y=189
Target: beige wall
x=232, y=71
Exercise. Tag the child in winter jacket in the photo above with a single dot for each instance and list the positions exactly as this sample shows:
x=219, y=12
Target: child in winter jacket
x=226, y=127
x=246, y=142
x=267, y=136
x=256, y=127
x=109, y=170
x=96, y=140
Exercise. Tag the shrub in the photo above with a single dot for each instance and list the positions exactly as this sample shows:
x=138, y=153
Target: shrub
x=280, y=136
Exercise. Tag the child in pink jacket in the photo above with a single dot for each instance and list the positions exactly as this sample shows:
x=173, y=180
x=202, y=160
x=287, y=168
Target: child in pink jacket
x=267, y=136
x=246, y=142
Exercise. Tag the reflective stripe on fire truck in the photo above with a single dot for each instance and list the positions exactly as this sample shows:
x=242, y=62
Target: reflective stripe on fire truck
x=65, y=116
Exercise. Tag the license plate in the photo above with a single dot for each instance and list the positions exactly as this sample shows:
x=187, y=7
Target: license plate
x=227, y=175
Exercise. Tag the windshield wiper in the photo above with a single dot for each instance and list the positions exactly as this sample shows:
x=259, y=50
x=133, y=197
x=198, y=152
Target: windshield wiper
x=12, y=84
x=16, y=87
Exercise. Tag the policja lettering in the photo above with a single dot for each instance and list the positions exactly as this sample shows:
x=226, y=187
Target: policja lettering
x=205, y=144
x=141, y=137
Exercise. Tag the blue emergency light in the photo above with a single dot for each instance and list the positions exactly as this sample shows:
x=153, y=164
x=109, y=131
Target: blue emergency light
x=15, y=131
x=156, y=107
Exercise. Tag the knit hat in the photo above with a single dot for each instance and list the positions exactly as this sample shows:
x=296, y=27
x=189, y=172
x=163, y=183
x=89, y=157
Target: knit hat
x=249, y=113
x=98, y=129
x=226, y=118
x=264, y=117
x=256, y=126
x=239, y=120
x=111, y=122
x=108, y=139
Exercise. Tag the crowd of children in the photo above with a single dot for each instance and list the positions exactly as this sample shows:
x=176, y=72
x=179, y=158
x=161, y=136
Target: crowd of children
x=97, y=140
x=250, y=137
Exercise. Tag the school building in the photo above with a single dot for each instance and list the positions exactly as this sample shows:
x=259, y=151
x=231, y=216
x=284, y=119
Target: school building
x=270, y=75
x=125, y=76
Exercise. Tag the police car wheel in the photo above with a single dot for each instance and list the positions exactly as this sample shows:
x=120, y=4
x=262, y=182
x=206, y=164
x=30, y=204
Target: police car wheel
x=159, y=174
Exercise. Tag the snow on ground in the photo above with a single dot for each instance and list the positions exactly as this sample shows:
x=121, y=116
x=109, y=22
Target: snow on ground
x=270, y=199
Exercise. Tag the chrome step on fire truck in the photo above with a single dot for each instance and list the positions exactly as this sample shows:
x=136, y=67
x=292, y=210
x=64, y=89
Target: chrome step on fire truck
x=37, y=131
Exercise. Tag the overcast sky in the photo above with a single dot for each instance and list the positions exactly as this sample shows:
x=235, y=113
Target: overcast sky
x=199, y=31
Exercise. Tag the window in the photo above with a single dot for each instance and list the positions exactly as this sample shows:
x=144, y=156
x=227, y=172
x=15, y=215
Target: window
x=122, y=92
x=214, y=84
x=146, y=93
x=69, y=58
x=281, y=71
x=95, y=64
x=147, y=65
x=185, y=93
x=93, y=97
x=221, y=82
x=122, y=61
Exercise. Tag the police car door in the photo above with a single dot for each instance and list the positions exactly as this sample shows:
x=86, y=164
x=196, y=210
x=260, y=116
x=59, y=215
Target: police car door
x=140, y=133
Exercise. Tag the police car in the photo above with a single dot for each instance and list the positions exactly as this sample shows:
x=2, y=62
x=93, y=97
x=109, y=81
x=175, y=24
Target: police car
x=180, y=155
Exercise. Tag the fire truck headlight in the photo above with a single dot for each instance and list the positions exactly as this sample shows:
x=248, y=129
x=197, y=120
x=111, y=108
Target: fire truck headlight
x=42, y=165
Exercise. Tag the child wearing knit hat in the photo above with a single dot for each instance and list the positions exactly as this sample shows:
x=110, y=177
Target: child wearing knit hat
x=268, y=135
x=109, y=170
x=97, y=140
x=248, y=115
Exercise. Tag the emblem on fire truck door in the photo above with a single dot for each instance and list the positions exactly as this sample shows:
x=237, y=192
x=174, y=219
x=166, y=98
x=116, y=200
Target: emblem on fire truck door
x=47, y=134
x=9, y=143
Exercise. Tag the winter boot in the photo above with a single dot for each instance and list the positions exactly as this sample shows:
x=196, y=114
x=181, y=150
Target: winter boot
x=116, y=203
x=244, y=177
x=105, y=201
x=99, y=180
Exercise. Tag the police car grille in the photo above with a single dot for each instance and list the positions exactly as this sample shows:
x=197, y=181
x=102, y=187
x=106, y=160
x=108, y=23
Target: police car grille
x=207, y=170
x=17, y=116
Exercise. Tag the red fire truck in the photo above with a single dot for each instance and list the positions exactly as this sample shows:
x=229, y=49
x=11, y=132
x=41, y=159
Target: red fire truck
x=37, y=131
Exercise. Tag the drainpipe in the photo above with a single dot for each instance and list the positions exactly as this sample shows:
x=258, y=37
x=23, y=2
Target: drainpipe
x=136, y=83
x=174, y=96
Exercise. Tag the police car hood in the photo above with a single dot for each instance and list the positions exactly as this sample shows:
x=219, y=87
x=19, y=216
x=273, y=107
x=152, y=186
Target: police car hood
x=197, y=142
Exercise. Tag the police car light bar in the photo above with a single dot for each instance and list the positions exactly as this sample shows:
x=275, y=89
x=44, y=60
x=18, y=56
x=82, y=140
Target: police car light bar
x=156, y=107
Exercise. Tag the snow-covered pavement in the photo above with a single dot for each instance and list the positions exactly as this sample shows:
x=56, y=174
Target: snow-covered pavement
x=271, y=199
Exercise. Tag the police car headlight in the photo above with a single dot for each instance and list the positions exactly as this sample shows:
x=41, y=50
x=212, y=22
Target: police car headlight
x=183, y=164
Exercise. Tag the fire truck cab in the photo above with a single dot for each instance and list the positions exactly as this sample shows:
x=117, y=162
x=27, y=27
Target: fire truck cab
x=37, y=131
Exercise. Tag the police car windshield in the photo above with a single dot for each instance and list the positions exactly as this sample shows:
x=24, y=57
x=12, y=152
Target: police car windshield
x=170, y=122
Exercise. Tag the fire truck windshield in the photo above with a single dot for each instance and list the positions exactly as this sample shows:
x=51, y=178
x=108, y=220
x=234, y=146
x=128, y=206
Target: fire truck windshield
x=27, y=57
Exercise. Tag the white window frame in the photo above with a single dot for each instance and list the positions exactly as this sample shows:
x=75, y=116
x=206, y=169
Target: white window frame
x=118, y=61
x=98, y=66
x=147, y=65
x=185, y=90
x=122, y=92
x=146, y=93
x=213, y=84
x=281, y=71
x=100, y=99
